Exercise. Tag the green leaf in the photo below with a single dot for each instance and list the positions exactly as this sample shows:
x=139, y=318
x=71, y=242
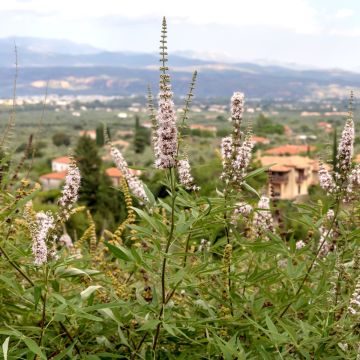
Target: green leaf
x=251, y=189
x=119, y=253
x=68, y=272
x=37, y=295
x=170, y=329
x=34, y=347
x=150, y=325
x=5, y=347
x=258, y=171
x=87, y=292
x=150, y=195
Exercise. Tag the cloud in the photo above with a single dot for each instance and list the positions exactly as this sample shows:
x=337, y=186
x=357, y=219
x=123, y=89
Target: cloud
x=344, y=13
x=295, y=15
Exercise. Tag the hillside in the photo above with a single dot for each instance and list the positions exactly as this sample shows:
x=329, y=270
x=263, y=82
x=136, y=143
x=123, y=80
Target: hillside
x=80, y=69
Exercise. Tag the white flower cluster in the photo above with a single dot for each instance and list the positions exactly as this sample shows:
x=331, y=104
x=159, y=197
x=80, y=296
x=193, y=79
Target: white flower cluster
x=185, y=177
x=243, y=159
x=300, y=244
x=167, y=137
x=226, y=154
x=354, y=179
x=354, y=306
x=263, y=220
x=135, y=184
x=70, y=191
x=325, y=179
x=346, y=146
x=236, y=157
x=66, y=240
x=242, y=209
x=326, y=234
x=237, y=111
x=39, y=232
x=204, y=246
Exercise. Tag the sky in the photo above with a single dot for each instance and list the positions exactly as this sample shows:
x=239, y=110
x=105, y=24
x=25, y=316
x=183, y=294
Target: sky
x=317, y=33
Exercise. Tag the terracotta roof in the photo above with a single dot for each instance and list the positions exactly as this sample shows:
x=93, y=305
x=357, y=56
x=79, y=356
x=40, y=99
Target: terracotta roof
x=324, y=124
x=62, y=159
x=60, y=175
x=260, y=139
x=87, y=132
x=203, y=127
x=357, y=158
x=296, y=161
x=290, y=149
x=115, y=172
x=122, y=143
x=280, y=168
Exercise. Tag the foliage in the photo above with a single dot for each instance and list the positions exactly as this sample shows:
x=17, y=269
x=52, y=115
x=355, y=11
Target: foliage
x=141, y=137
x=96, y=191
x=209, y=274
x=265, y=126
x=61, y=139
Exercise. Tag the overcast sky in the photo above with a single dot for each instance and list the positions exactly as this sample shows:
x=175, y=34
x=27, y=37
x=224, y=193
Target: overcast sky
x=321, y=33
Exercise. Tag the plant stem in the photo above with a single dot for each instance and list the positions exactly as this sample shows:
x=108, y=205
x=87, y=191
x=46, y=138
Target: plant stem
x=18, y=269
x=228, y=241
x=163, y=270
x=43, y=316
x=313, y=261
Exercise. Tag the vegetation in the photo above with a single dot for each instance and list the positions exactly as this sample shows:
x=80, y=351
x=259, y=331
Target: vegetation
x=220, y=272
x=61, y=139
x=265, y=126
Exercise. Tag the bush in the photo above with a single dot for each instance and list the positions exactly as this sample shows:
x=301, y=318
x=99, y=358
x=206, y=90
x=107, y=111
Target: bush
x=224, y=276
x=61, y=139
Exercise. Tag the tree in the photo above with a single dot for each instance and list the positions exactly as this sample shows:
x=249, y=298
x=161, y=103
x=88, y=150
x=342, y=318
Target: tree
x=96, y=192
x=100, y=139
x=141, y=137
x=265, y=125
x=334, y=153
x=61, y=139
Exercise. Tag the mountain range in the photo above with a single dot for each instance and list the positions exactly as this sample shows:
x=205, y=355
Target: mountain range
x=71, y=68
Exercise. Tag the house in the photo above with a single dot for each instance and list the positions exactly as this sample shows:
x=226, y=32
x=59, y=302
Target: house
x=327, y=127
x=122, y=144
x=90, y=133
x=290, y=176
x=52, y=180
x=260, y=140
x=115, y=174
x=147, y=125
x=287, y=130
x=290, y=150
x=125, y=133
x=310, y=113
x=205, y=128
x=60, y=164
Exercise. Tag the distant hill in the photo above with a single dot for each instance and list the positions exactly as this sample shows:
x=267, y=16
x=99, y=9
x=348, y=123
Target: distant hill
x=81, y=69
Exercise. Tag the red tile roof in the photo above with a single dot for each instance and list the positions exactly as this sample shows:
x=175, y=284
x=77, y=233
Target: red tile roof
x=116, y=173
x=113, y=172
x=290, y=150
x=280, y=168
x=60, y=175
x=62, y=159
x=260, y=139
